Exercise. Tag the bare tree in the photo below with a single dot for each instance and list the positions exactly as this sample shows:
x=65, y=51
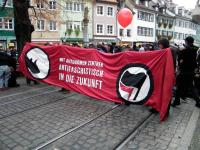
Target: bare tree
x=22, y=24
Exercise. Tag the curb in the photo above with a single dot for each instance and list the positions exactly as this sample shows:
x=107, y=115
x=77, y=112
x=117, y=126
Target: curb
x=189, y=131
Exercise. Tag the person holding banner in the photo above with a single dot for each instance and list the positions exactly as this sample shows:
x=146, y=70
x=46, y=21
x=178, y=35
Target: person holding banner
x=187, y=65
x=163, y=44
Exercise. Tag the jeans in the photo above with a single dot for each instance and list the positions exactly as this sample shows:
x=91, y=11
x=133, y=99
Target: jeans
x=4, y=76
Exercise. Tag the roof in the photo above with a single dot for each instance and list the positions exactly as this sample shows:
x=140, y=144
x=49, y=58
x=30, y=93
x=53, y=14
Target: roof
x=107, y=1
x=150, y=8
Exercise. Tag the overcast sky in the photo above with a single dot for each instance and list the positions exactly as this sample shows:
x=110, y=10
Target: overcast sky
x=189, y=4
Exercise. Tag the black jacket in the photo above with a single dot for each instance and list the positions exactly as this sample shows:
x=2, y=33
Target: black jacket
x=187, y=59
x=6, y=59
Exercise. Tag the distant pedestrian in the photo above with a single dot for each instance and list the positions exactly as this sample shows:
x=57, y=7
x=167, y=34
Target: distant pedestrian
x=141, y=48
x=185, y=78
x=5, y=70
x=135, y=47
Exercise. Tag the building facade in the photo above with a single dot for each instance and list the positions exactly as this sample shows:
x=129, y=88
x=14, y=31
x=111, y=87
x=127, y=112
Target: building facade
x=196, y=18
x=183, y=27
x=165, y=25
x=104, y=21
x=73, y=25
x=7, y=35
x=142, y=28
x=46, y=21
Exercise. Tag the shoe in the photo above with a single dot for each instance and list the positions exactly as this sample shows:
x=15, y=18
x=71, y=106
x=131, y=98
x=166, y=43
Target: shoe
x=126, y=103
x=174, y=104
x=16, y=85
x=36, y=83
x=198, y=105
x=66, y=92
x=61, y=90
x=153, y=111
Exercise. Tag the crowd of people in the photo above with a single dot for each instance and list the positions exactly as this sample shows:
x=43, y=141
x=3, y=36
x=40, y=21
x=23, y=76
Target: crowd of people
x=186, y=60
x=8, y=66
x=186, y=63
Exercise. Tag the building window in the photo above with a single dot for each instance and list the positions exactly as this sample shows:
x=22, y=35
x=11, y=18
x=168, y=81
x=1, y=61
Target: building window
x=69, y=25
x=164, y=33
x=181, y=23
x=40, y=25
x=170, y=33
x=186, y=35
x=110, y=29
x=82, y=7
x=175, y=35
x=143, y=31
x=40, y=4
x=186, y=24
x=151, y=32
x=110, y=11
x=8, y=3
x=1, y=23
x=177, y=23
x=158, y=32
x=52, y=5
x=69, y=6
x=8, y=24
x=145, y=16
x=128, y=33
x=121, y=32
x=181, y=36
x=52, y=25
x=180, y=12
x=139, y=31
x=77, y=7
x=77, y=26
x=99, y=29
x=99, y=10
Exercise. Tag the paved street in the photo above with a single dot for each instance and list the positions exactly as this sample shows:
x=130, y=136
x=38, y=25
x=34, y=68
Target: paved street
x=195, y=144
x=40, y=117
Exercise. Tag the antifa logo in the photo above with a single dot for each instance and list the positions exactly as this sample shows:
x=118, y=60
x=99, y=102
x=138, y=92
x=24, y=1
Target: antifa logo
x=135, y=83
x=32, y=65
x=37, y=63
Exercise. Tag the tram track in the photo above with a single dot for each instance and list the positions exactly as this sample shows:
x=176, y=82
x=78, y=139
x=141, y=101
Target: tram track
x=75, y=128
x=119, y=146
x=21, y=93
x=134, y=132
x=18, y=100
x=36, y=107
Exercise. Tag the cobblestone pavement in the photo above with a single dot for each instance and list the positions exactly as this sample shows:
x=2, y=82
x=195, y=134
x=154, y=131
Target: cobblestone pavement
x=32, y=127
x=195, y=144
x=166, y=135
x=33, y=115
x=22, y=89
x=104, y=133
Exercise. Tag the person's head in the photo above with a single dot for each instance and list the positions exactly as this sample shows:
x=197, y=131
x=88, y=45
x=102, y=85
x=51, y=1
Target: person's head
x=189, y=40
x=139, y=46
x=113, y=43
x=90, y=45
x=163, y=43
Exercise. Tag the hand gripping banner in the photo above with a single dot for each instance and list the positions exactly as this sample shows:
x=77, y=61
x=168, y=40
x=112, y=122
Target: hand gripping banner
x=140, y=78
